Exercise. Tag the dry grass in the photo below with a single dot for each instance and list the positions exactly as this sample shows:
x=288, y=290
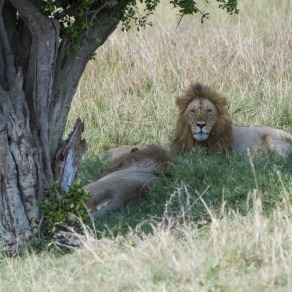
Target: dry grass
x=127, y=96
x=232, y=253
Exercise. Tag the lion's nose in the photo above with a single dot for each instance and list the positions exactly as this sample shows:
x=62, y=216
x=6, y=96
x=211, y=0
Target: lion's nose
x=201, y=125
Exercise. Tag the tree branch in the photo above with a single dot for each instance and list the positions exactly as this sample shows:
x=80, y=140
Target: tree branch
x=69, y=156
x=103, y=22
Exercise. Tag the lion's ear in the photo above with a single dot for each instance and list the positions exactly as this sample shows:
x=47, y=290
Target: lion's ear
x=178, y=101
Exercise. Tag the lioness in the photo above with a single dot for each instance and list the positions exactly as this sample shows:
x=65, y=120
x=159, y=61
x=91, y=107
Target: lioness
x=203, y=120
x=127, y=180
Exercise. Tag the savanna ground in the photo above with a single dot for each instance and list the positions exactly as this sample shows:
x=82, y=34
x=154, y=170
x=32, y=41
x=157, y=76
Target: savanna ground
x=238, y=234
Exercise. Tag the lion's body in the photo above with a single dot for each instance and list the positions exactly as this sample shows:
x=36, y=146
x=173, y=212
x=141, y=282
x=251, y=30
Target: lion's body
x=127, y=180
x=203, y=120
x=254, y=138
x=117, y=152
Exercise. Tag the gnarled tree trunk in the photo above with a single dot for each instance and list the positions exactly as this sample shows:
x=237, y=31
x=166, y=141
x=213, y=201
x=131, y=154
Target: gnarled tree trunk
x=34, y=107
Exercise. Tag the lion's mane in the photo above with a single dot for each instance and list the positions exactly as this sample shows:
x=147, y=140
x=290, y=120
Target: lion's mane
x=221, y=134
x=202, y=112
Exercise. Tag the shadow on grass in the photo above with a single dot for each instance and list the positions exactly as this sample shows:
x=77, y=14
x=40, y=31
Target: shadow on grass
x=222, y=178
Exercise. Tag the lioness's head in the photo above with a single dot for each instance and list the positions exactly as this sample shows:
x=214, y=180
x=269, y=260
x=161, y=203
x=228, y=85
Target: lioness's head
x=202, y=120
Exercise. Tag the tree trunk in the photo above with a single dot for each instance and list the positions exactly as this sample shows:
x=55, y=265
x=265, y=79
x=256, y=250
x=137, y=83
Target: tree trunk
x=19, y=171
x=34, y=107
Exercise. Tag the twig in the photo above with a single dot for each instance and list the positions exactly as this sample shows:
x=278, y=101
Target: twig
x=169, y=221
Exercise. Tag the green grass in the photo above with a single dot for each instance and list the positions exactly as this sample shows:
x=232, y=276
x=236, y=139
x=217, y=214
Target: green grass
x=227, y=178
x=237, y=236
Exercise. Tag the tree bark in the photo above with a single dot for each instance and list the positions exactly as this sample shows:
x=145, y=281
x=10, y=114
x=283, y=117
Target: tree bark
x=7, y=72
x=39, y=77
x=69, y=155
x=34, y=107
x=18, y=165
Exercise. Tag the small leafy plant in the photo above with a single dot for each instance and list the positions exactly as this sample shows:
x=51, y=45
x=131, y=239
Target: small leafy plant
x=61, y=209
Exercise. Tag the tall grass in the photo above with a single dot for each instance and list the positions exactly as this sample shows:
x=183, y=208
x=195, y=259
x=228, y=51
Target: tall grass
x=127, y=94
x=232, y=253
x=238, y=234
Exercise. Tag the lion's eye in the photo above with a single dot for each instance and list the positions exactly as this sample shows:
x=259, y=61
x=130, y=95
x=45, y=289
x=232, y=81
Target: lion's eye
x=209, y=111
x=193, y=111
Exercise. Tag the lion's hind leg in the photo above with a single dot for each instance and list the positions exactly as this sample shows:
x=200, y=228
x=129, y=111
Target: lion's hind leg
x=278, y=141
x=104, y=197
x=113, y=192
x=105, y=207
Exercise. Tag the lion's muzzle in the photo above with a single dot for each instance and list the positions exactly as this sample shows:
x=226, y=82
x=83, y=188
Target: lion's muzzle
x=200, y=132
x=201, y=136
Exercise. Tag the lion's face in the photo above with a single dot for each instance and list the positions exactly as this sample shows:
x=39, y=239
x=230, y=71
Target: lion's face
x=201, y=116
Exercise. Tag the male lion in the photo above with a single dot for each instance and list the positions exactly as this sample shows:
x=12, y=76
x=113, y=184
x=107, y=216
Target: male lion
x=203, y=120
x=127, y=180
x=117, y=152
